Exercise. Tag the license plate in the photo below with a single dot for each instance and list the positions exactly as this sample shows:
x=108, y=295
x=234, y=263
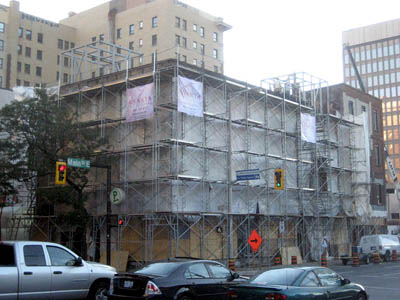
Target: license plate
x=128, y=284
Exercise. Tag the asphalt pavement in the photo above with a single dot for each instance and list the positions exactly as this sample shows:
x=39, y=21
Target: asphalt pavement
x=380, y=280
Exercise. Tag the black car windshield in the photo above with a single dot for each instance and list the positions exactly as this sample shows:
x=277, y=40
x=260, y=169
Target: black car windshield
x=160, y=269
x=278, y=277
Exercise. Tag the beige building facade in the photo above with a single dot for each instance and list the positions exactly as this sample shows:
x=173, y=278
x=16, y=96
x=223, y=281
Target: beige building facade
x=31, y=48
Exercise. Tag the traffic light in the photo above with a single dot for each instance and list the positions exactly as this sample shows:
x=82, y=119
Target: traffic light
x=61, y=172
x=120, y=221
x=279, y=179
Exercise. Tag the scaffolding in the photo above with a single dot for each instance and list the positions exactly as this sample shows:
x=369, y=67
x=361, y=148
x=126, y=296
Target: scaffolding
x=178, y=171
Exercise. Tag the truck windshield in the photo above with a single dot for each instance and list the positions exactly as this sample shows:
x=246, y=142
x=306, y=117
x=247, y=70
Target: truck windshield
x=7, y=257
x=390, y=240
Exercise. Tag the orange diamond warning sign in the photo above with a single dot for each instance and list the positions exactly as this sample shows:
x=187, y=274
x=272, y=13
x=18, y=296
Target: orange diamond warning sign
x=254, y=240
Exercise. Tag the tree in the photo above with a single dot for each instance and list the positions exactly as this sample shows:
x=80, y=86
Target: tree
x=37, y=133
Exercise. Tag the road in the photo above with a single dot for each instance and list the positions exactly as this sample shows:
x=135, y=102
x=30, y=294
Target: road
x=380, y=280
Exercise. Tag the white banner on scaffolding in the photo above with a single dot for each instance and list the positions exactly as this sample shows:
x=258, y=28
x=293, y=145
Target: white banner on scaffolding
x=190, y=96
x=140, y=103
x=308, y=128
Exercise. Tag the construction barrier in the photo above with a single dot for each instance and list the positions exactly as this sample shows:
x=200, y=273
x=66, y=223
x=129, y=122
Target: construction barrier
x=376, y=258
x=294, y=260
x=394, y=256
x=324, y=262
x=356, y=261
x=231, y=264
x=277, y=260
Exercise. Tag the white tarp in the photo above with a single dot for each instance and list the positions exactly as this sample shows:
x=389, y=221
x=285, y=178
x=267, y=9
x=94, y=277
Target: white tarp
x=190, y=96
x=140, y=103
x=308, y=129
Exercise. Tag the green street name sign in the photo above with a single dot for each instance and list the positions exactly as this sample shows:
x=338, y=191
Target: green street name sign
x=78, y=163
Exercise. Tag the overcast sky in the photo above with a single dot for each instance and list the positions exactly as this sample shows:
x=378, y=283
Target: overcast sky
x=269, y=37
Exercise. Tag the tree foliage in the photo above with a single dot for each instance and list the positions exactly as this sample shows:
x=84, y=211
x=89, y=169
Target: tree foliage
x=37, y=132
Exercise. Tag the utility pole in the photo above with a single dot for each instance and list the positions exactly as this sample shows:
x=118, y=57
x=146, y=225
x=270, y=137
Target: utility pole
x=108, y=210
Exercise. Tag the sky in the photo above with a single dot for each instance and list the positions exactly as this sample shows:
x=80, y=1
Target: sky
x=269, y=38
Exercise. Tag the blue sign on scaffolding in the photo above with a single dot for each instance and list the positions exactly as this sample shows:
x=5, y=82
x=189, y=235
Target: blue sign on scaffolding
x=252, y=174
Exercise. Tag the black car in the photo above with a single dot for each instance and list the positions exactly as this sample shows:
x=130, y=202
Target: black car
x=177, y=279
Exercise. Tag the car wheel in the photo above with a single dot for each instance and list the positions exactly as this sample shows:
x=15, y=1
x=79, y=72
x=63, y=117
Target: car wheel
x=360, y=297
x=387, y=256
x=98, y=291
x=184, y=297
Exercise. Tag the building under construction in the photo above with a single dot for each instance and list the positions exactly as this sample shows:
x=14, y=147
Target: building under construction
x=179, y=172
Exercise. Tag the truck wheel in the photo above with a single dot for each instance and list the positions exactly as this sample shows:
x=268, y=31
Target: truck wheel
x=387, y=256
x=344, y=262
x=98, y=291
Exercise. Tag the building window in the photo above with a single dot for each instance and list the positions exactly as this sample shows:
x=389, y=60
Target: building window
x=184, y=42
x=194, y=45
x=140, y=24
x=376, y=120
x=141, y=59
x=194, y=27
x=215, y=53
x=351, y=107
x=215, y=37
x=154, y=22
x=2, y=27
x=58, y=60
x=195, y=61
x=40, y=38
x=66, y=62
x=20, y=32
x=39, y=55
x=66, y=45
x=154, y=40
x=39, y=71
x=119, y=33
x=1, y=63
x=101, y=37
x=18, y=82
x=140, y=43
x=132, y=29
x=131, y=45
x=65, y=77
x=58, y=76
x=19, y=49
x=28, y=34
x=177, y=40
x=1, y=45
x=202, y=49
x=27, y=69
x=19, y=67
x=94, y=39
x=72, y=45
x=202, y=31
x=216, y=69
x=363, y=108
x=377, y=156
x=184, y=58
x=27, y=52
x=26, y=83
x=184, y=24
x=177, y=22
x=119, y=50
x=60, y=44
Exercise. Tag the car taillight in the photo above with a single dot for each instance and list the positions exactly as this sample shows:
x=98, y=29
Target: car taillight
x=380, y=247
x=275, y=296
x=232, y=295
x=152, y=289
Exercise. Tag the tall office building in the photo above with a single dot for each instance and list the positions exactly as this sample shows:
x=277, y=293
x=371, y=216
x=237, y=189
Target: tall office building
x=376, y=52
x=30, y=46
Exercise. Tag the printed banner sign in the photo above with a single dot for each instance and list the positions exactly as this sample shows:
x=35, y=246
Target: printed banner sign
x=190, y=96
x=140, y=103
x=308, y=129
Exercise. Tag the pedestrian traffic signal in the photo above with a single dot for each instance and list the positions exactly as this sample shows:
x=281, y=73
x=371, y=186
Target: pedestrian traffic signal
x=61, y=172
x=279, y=179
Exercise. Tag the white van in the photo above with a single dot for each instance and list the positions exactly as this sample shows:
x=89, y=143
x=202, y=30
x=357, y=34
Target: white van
x=382, y=243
